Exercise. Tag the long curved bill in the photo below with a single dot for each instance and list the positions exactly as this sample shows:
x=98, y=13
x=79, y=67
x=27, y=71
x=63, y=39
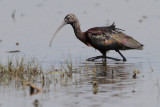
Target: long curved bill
x=63, y=24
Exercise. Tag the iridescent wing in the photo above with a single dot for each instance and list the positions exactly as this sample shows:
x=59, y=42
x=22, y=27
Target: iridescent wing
x=111, y=38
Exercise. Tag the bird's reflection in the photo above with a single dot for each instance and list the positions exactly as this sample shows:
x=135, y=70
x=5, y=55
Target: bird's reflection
x=111, y=73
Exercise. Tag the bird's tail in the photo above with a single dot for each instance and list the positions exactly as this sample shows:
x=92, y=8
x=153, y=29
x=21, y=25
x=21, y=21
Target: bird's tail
x=141, y=47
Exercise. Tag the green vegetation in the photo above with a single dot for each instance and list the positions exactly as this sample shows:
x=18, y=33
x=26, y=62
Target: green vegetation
x=19, y=70
x=22, y=71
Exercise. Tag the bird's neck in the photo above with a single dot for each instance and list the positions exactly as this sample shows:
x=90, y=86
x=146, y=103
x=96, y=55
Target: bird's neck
x=77, y=30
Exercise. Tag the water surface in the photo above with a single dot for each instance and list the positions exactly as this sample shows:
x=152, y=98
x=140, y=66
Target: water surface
x=32, y=24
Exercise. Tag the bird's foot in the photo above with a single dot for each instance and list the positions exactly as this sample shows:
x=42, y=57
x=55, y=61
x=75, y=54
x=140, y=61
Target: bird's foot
x=124, y=60
x=113, y=58
x=94, y=58
x=91, y=59
x=99, y=57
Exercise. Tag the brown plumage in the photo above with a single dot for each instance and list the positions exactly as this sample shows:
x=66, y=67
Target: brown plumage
x=102, y=38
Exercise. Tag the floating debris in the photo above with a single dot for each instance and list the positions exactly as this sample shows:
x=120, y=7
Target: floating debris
x=17, y=44
x=13, y=15
x=135, y=72
x=133, y=91
x=134, y=76
x=15, y=51
x=144, y=17
x=95, y=87
x=140, y=20
x=36, y=103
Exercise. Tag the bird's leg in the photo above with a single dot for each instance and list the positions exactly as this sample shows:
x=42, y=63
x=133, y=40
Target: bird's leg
x=124, y=59
x=104, y=57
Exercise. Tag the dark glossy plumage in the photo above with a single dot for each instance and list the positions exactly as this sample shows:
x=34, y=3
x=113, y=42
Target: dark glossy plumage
x=102, y=38
x=110, y=38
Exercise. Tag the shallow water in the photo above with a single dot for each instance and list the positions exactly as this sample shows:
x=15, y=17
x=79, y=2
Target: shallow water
x=32, y=24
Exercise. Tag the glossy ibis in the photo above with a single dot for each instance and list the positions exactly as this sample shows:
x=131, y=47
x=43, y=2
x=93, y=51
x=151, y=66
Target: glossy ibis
x=101, y=38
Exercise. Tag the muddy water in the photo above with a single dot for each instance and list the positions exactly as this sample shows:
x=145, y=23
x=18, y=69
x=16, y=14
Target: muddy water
x=32, y=23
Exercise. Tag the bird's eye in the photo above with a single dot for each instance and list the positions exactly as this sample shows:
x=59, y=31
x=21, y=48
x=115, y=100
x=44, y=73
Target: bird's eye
x=66, y=19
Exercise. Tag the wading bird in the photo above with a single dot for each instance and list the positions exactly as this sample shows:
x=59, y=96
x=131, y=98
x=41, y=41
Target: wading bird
x=101, y=38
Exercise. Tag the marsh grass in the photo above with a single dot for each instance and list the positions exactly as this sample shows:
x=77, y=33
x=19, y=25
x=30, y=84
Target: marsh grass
x=19, y=71
x=67, y=73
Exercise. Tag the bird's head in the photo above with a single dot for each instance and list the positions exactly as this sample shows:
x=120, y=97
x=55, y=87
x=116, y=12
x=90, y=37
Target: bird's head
x=69, y=19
